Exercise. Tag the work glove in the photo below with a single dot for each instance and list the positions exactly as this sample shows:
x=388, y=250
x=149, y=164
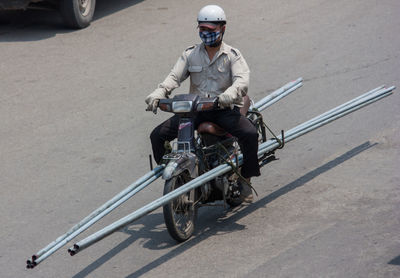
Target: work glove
x=227, y=99
x=153, y=99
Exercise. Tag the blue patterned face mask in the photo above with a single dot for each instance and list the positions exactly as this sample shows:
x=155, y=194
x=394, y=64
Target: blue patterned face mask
x=209, y=38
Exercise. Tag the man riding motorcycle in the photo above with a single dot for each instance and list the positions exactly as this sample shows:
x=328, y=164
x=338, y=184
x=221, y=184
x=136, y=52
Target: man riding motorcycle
x=215, y=70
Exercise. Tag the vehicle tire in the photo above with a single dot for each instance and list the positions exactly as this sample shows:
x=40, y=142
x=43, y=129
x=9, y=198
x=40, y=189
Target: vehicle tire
x=77, y=14
x=180, y=214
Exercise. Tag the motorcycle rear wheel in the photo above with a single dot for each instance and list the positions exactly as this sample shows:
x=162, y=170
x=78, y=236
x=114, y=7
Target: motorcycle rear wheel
x=180, y=214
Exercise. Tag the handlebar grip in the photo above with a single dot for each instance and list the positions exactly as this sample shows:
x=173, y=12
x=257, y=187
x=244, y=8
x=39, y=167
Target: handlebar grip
x=153, y=106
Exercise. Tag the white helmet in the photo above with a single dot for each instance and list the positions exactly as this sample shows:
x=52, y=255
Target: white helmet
x=211, y=13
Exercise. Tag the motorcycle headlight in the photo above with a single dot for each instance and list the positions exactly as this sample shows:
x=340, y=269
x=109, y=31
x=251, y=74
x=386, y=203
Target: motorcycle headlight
x=182, y=106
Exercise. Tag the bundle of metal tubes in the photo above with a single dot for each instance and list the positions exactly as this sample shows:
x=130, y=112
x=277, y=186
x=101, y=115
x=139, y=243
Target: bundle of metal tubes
x=134, y=188
x=95, y=216
x=278, y=94
x=292, y=134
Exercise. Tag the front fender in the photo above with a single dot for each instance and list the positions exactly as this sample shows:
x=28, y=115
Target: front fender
x=185, y=162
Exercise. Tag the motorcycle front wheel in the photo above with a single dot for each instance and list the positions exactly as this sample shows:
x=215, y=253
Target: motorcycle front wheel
x=180, y=214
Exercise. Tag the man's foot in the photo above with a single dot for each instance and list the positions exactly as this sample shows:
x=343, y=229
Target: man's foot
x=246, y=193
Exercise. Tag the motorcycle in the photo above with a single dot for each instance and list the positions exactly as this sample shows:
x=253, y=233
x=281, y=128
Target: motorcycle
x=196, y=152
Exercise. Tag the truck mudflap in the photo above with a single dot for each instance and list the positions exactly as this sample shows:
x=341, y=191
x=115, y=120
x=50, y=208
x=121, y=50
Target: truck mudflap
x=15, y=4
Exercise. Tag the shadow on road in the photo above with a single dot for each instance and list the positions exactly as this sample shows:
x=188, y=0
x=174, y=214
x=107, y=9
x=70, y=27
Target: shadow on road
x=35, y=25
x=213, y=222
x=148, y=230
x=395, y=261
x=106, y=7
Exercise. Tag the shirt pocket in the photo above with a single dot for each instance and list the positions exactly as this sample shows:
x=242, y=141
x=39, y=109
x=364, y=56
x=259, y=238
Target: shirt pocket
x=223, y=65
x=195, y=74
x=222, y=74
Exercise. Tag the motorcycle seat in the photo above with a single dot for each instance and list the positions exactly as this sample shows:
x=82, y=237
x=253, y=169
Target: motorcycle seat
x=211, y=128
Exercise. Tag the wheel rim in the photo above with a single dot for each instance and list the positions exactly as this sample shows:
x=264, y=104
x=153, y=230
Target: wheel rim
x=183, y=210
x=84, y=7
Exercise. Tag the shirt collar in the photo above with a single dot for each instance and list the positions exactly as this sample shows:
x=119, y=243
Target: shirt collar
x=223, y=50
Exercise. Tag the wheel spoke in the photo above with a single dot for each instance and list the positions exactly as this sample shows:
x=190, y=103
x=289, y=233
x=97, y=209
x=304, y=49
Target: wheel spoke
x=182, y=220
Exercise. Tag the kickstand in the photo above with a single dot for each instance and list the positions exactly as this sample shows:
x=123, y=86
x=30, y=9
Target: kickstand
x=151, y=162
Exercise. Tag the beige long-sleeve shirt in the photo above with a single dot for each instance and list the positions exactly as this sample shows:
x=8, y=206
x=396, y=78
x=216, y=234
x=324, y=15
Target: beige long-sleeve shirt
x=227, y=72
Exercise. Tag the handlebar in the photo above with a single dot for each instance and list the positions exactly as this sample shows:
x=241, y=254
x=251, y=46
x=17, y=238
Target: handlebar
x=188, y=103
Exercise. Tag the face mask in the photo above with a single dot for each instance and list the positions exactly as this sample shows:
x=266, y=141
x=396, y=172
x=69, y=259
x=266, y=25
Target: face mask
x=209, y=38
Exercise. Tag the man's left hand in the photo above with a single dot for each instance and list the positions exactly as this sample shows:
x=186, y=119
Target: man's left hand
x=227, y=99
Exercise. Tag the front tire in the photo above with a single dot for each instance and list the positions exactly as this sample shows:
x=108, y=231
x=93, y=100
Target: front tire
x=77, y=14
x=180, y=214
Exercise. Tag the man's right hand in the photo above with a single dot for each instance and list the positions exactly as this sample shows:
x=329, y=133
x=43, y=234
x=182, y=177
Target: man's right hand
x=153, y=99
x=153, y=106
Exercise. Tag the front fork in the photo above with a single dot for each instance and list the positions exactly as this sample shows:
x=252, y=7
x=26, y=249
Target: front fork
x=182, y=157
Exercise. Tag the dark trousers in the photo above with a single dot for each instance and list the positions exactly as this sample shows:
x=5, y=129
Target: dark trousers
x=230, y=120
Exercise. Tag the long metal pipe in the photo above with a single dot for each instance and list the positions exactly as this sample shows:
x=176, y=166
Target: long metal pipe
x=147, y=209
x=336, y=113
x=336, y=116
x=325, y=118
x=306, y=125
x=279, y=93
x=130, y=190
x=94, y=220
x=343, y=105
x=265, y=147
x=96, y=215
x=282, y=95
x=339, y=110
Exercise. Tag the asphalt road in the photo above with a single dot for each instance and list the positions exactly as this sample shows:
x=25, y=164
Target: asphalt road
x=74, y=133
